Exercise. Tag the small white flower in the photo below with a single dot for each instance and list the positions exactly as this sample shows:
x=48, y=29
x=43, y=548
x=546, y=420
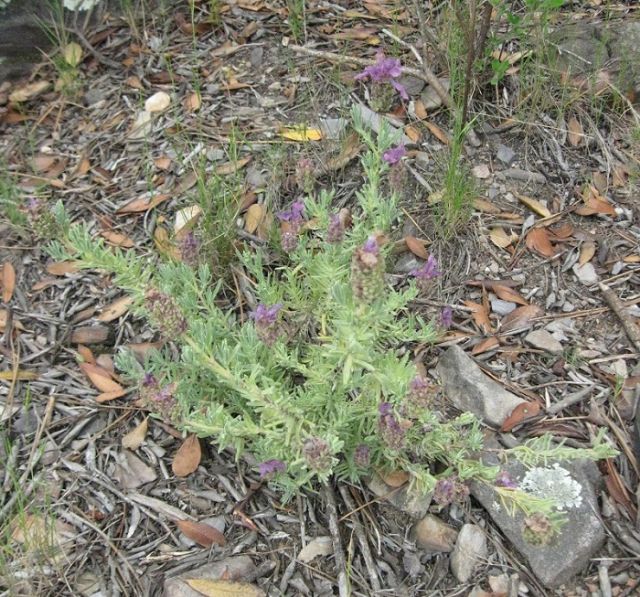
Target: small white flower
x=553, y=483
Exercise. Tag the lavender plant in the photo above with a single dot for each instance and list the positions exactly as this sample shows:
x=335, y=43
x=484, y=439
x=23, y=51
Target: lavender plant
x=317, y=381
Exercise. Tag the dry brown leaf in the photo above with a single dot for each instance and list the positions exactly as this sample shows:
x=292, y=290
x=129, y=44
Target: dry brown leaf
x=499, y=237
x=520, y=319
x=141, y=204
x=254, y=216
x=192, y=102
x=202, y=533
x=106, y=362
x=224, y=588
x=187, y=457
x=108, y=396
x=413, y=133
x=61, y=268
x=534, y=205
x=264, y=228
x=94, y=334
x=117, y=239
x=163, y=162
x=587, y=251
x=594, y=205
x=487, y=344
x=599, y=180
x=356, y=33
x=620, y=176
x=8, y=281
x=116, y=309
x=509, y=294
x=86, y=354
x=561, y=233
x=420, y=110
x=538, y=240
x=133, y=440
x=231, y=167
x=416, y=246
x=520, y=414
x=480, y=316
x=631, y=259
x=437, y=132
x=485, y=206
x=100, y=378
x=349, y=149
x=164, y=245
x=28, y=91
x=576, y=132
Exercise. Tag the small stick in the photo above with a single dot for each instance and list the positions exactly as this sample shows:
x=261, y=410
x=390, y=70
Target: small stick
x=362, y=539
x=631, y=329
x=344, y=589
x=569, y=400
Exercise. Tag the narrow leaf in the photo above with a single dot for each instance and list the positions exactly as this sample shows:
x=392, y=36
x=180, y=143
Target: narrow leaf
x=202, y=533
x=187, y=457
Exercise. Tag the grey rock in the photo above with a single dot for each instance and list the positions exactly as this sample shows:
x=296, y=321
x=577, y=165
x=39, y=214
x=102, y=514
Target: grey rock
x=412, y=503
x=586, y=273
x=434, y=535
x=471, y=390
x=407, y=263
x=570, y=551
x=411, y=564
x=469, y=551
x=506, y=155
x=239, y=568
x=523, y=175
x=501, y=307
x=430, y=97
x=412, y=84
x=543, y=340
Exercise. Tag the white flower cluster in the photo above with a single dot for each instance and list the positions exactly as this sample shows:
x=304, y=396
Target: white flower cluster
x=553, y=483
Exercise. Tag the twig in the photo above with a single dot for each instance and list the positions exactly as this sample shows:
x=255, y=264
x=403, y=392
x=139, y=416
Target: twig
x=569, y=400
x=344, y=590
x=631, y=329
x=362, y=540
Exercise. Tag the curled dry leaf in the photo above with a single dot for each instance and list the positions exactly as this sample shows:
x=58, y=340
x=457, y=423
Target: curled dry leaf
x=594, y=203
x=416, y=246
x=499, y=237
x=86, y=354
x=62, y=268
x=320, y=546
x=534, y=205
x=520, y=319
x=576, y=132
x=520, y=414
x=186, y=219
x=480, y=316
x=8, y=281
x=133, y=440
x=140, y=204
x=202, y=533
x=94, y=334
x=192, y=102
x=538, y=240
x=437, y=132
x=509, y=294
x=116, y=309
x=187, y=457
x=484, y=345
x=485, y=206
x=587, y=251
x=117, y=239
x=100, y=378
x=224, y=588
x=254, y=216
x=231, y=167
x=29, y=91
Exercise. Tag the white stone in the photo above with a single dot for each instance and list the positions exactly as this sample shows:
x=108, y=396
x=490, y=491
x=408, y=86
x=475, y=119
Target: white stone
x=469, y=551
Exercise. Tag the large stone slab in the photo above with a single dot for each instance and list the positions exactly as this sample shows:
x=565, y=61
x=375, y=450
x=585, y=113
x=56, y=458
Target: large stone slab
x=469, y=389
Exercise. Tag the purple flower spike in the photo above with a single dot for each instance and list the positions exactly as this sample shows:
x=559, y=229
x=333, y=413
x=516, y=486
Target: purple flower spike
x=428, y=270
x=446, y=318
x=385, y=408
x=361, y=456
x=385, y=70
x=504, y=480
x=294, y=214
x=270, y=467
x=394, y=155
x=264, y=315
x=149, y=379
x=371, y=245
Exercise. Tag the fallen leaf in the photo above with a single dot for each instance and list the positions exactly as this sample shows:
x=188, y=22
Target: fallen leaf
x=534, y=205
x=117, y=239
x=131, y=472
x=140, y=204
x=520, y=319
x=19, y=375
x=142, y=349
x=224, y=588
x=485, y=345
x=186, y=219
x=116, y=309
x=86, y=354
x=108, y=396
x=499, y=237
x=301, y=133
x=480, y=316
x=187, y=457
x=538, y=240
x=437, y=132
x=231, y=167
x=29, y=91
x=100, y=378
x=522, y=412
x=163, y=163
x=320, y=546
x=254, y=216
x=485, y=206
x=133, y=440
x=594, y=203
x=72, y=54
x=509, y=294
x=192, y=102
x=95, y=334
x=158, y=102
x=576, y=132
x=587, y=251
x=202, y=533
x=8, y=281
x=61, y=268
x=164, y=245
x=599, y=180
x=420, y=110
x=413, y=133
x=416, y=246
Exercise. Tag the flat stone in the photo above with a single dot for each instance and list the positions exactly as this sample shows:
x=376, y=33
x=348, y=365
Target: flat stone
x=407, y=263
x=481, y=171
x=412, y=84
x=469, y=551
x=506, y=155
x=412, y=503
x=430, y=97
x=434, y=535
x=469, y=389
x=586, y=273
x=569, y=552
x=502, y=308
x=543, y=340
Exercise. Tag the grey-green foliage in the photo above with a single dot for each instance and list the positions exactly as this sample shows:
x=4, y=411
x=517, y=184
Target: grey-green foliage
x=337, y=361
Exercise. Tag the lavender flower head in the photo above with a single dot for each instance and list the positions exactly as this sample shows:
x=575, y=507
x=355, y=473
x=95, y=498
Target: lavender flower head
x=367, y=271
x=391, y=431
x=504, y=479
x=292, y=219
x=335, y=230
x=149, y=380
x=394, y=155
x=446, y=318
x=271, y=467
x=385, y=70
x=165, y=314
x=189, y=249
x=449, y=490
x=293, y=214
x=361, y=456
x=266, y=322
x=371, y=246
x=428, y=270
x=317, y=453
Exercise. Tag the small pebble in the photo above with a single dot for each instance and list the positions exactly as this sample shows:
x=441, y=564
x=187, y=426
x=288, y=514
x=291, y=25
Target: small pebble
x=506, y=155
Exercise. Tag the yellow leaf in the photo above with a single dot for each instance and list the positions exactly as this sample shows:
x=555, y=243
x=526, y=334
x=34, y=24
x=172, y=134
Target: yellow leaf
x=301, y=133
x=19, y=375
x=587, y=251
x=534, y=205
x=224, y=588
x=72, y=54
x=255, y=215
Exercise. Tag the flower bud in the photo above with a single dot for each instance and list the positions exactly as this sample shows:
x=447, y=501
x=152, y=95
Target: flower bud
x=367, y=271
x=391, y=431
x=165, y=314
x=362, y=456
x=317, y=454
x=266, y=323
